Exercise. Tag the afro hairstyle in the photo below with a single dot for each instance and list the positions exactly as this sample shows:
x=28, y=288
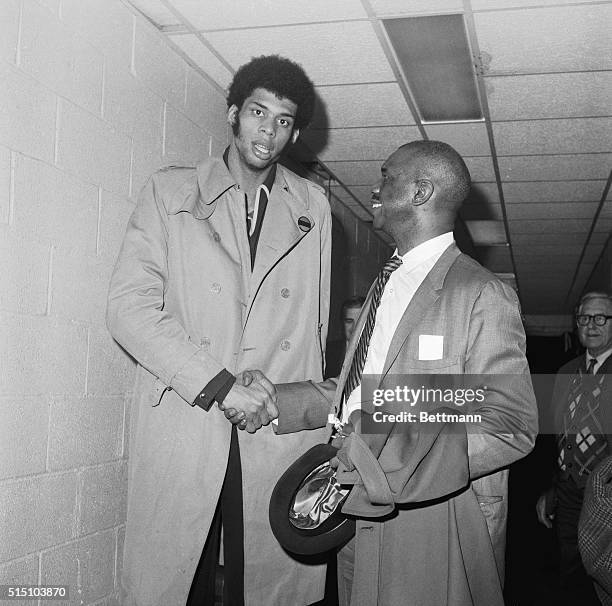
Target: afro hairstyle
x=283, y=77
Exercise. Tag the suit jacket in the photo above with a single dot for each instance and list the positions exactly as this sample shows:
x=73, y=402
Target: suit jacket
x=441, y=539
x=184, y=303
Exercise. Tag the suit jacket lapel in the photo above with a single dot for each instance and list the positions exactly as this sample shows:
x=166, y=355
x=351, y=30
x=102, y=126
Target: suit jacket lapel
x=425, y=296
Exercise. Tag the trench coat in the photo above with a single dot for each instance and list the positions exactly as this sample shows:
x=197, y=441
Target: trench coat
x=185, y=304
x=431, y=499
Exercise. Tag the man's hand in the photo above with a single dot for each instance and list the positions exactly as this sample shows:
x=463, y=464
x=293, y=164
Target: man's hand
x=541, y=509
x=251, y=403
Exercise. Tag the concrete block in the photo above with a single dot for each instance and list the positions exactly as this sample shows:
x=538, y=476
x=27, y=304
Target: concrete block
x=103, y=497
x=86, y=565
x=24, y=263
x=91, y=149
x=205, y=105
x=23, y=436
x=5, y=184
x=217, y=147
x=36, y=513
x=55, y=206
x=185, y=141
x=119, y=556
x=108, y=26
x=115, y=212
x=27, y=114
x=158, y=66
x=53, y=6
x=79, y=284
x=131, y=107
x=9, y=26
x=20, y=572
x=110, y=371
x=41, y=356
x=84, y=431
x=60, y=58
x=146, y=160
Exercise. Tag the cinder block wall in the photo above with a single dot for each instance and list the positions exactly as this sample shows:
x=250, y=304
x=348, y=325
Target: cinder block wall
x=92, y=101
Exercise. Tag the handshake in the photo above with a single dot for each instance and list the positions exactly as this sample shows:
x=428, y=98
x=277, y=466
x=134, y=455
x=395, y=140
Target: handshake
x=251, y=402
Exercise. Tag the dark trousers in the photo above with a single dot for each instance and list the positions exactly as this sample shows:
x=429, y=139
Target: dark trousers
x=229, y=515
x=576, y=586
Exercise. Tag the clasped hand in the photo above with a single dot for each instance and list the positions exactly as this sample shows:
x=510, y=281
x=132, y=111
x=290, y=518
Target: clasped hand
x=251, y=402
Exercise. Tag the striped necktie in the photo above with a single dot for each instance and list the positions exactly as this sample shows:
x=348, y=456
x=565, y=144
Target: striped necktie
x=354, y=376
x=591, y=366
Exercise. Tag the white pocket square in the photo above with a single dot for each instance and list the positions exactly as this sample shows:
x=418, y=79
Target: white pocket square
x=431, y=347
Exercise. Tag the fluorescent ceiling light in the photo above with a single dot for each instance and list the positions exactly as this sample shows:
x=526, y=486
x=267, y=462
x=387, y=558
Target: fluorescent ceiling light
x=435, y=57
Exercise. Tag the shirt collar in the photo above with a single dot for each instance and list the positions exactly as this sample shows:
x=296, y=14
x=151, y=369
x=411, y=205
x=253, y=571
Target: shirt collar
x=269, y=181
x=430, y=248
x=601, y=358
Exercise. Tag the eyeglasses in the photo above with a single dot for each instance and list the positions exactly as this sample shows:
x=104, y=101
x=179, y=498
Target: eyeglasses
x=598, y=319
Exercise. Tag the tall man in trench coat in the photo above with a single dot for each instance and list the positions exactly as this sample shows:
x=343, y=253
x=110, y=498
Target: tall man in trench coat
x=203, y=289
x=429, y=498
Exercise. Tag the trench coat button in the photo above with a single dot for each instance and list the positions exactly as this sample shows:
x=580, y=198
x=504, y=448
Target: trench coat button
x=205, y=343
x=215, y=287
x=216, y=237
x=285, y=292
x=285, y=345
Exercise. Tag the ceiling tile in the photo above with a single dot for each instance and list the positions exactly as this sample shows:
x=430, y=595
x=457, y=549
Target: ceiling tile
x=155, y=11
x=549, y=225
x=343, y=62
x=468, y=139
x=495, y=258
x=225, y=14
x=356, y=173
x=362, y=192
x=397, y=8
x=376, y=143
x=558, y=210
x=481, y=209
x=580, y=135
x=554, y=168
x=203, y=58
x=553, y=191
x=486, y=191
x=361, y=105
x=478, y=5
x=528, y=241
x=487, y=233
x=481, y=168
x=572, y=38
x=549, y=95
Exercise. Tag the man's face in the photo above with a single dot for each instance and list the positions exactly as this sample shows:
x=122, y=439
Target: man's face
x=596, y=338
x=392, y=194
x=265, y=126
x=349, y=319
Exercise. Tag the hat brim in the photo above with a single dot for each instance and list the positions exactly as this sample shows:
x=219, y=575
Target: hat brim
x=331, y=534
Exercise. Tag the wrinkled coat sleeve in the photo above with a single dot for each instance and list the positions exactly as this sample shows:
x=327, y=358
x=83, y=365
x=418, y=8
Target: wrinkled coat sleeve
x=135, y=314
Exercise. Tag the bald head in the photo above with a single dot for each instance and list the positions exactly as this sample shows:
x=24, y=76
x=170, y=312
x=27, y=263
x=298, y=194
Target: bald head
x=439, y=163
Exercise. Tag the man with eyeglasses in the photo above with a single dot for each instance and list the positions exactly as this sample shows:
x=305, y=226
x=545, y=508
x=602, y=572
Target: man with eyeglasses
x=582, y=404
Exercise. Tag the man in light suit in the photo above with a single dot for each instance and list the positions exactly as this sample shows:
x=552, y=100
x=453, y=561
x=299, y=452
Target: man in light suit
x=429, y=498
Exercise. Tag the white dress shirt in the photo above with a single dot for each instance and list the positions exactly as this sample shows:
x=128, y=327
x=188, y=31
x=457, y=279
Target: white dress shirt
x=398, y=293
x=601, y=358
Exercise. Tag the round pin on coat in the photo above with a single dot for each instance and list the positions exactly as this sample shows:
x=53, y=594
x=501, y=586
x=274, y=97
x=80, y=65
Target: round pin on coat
x=304, y=223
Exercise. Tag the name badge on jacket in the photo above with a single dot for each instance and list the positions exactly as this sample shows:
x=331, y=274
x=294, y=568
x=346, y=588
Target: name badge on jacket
x=431, y=347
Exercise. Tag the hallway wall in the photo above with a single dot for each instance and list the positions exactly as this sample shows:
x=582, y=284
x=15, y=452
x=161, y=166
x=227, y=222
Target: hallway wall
x=92, y=102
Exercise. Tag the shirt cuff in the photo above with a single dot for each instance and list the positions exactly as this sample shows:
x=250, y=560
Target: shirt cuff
x=216, y=389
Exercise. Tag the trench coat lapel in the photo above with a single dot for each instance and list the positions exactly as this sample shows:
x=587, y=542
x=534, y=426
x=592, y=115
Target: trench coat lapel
x=280, y=231
x=424, y=298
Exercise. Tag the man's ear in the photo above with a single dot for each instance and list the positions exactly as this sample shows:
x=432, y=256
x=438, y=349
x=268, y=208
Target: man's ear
x=425, y=190
x=232, y=114
x=295, y=134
